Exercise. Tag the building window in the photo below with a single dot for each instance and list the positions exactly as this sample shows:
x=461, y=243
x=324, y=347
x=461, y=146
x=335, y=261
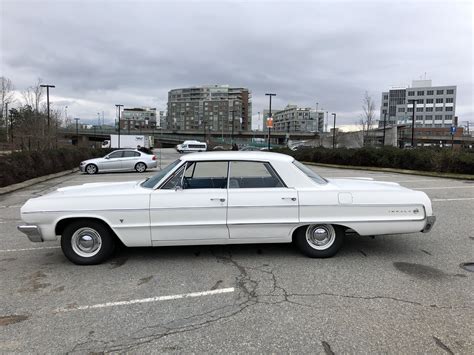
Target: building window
x=420, y=101
x=439, y=109
x=429, y=109
x=419, y=117
x=439, y=101
x=439, y=92
x=449, y=108
x=420, y=93
x=419, y=109
x=384, y=111
x=438, y=117
x=448, y=117
x=385, y=97
x=428, y=117
x=449, y=100
x=430, y=92
x=410, y=109
x=411, y=93
x=450, y=92
x=429, y=101
x=385, y=104
x=401, y=109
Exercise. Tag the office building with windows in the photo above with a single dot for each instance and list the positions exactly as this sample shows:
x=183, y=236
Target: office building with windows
x=210, y=107
x=297, y=119
x=435, y=106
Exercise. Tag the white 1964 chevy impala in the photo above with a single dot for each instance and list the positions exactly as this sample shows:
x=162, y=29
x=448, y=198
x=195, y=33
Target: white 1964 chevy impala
x=223, y=198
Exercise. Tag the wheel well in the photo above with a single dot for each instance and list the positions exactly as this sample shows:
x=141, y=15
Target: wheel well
x=61, y=225
x=306, y=226
x=138, y=162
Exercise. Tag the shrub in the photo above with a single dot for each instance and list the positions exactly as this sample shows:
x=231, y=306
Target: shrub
x=423, y=159
x=21, y=166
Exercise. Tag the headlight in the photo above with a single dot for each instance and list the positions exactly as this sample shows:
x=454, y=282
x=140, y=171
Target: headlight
x=82, y=163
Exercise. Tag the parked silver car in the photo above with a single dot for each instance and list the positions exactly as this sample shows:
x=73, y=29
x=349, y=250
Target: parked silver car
x=120, y=160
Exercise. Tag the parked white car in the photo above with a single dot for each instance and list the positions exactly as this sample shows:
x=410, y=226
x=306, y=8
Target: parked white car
x=223, y=198
x=191, y=146
x=120, y=160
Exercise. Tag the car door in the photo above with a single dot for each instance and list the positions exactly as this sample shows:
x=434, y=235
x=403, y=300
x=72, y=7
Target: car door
x=191, y=205
x=260, y=206
x=129, y=159
x=112, y=161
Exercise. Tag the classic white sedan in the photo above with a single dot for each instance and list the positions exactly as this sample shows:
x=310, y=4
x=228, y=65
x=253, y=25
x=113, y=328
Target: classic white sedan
x=223, y=198
x=120, y=160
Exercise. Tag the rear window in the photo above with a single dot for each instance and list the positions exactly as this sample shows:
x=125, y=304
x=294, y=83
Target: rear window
x=310, y=173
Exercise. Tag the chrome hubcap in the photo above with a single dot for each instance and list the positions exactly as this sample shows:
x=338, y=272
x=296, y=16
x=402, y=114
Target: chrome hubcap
x=141, y=167
x=320, y=236
x=86, y=242
x=91, y=169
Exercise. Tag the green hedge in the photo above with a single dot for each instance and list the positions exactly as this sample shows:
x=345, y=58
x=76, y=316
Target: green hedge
x=446, y=161
x=21, y=166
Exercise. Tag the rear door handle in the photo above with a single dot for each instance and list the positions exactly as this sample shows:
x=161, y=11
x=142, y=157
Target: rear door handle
x=218, y=199
x=289, y=198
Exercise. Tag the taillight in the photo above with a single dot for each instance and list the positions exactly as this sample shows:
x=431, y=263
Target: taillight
x=154, y=157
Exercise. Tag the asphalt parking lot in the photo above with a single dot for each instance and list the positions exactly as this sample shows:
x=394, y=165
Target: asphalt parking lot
x=391, y=294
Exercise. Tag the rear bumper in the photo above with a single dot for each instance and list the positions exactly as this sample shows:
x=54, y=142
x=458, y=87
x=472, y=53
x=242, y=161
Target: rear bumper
x=430, y=221
x=32, y=232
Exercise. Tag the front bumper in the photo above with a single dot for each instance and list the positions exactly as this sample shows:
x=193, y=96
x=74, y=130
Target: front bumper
x=430, y=221
x=32, y=232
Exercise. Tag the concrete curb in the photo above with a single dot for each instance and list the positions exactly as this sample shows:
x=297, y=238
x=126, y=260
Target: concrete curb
x=398, y=171
x=21, y=185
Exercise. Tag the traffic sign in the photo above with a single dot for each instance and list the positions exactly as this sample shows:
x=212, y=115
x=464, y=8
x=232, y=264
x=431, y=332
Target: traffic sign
x=270, y=122
x=453, y=130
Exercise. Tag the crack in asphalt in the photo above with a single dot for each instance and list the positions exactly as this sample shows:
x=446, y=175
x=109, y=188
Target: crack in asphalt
x=247, y=297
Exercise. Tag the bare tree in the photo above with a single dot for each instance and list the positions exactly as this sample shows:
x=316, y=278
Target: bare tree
x=6, y=96
x=367, y=119
x=33, y=96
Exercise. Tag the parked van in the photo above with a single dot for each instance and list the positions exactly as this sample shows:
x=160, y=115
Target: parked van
x=191, y=146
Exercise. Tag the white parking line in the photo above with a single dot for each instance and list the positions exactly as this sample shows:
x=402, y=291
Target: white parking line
x=148, y=300
x=444, y=187
x=453, y=199
x=27, y=249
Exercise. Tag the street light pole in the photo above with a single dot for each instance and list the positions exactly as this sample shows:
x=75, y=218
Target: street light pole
x=269, y=115
x=77, y=131
x=119, y=106
x=47, y=101
x=384, y=123
x=413, y=123
x=334, y=132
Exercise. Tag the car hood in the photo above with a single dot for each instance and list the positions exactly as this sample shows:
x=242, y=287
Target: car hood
x=91, y=161
x=98, y=188
x=365, y=184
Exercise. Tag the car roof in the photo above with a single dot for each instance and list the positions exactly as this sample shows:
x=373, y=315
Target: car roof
x=237, y=155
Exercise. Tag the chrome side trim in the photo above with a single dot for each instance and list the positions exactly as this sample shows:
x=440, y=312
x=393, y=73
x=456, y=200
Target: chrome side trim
x=32, y=232
x=430, y=221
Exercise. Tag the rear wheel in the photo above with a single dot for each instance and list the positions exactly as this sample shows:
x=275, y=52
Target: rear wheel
x=87, y=242
x=319, y=240
x=91, y=169
x=140, y=167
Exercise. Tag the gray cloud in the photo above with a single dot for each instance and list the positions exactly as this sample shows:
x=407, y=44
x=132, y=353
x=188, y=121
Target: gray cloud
x=99, y=53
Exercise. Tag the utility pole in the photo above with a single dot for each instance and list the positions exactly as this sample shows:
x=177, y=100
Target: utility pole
x=384, y=123
x=77, y=131
x=233, y=118
x=334, y=132
x=47, y=101
x=269, y=115
x=6, y=118
x=413, y=122
x=118, y=106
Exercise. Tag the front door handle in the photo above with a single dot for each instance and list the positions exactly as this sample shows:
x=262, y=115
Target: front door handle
x=289, y=198
x=218, y=199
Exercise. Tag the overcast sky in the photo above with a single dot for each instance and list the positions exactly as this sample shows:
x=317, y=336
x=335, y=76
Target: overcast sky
x=100, y=53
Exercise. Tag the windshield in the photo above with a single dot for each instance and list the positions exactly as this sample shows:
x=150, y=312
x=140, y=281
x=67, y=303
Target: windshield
x=155, y=179
x=310, y=173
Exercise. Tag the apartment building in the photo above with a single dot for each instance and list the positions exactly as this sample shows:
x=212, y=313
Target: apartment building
x=138, y=118
x=298, y=119
x=210, y=107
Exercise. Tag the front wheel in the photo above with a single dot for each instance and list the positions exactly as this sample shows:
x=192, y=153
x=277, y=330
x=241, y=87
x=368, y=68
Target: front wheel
x=91, y=169
x=140, y=167
x=87, y=242
x=319, y=240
